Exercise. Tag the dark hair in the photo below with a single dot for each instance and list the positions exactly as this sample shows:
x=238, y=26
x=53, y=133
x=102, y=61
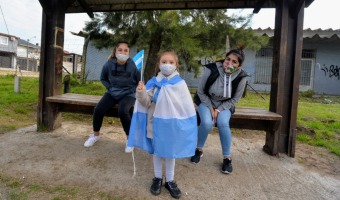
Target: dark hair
x=237, y=52
x=113, y=54
x=160, y=54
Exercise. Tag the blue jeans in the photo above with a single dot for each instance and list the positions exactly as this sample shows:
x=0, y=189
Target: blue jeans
x=222, y=125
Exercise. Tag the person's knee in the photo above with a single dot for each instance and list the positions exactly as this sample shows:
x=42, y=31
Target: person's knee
x=222, y=124
x=207, y=123
x=98, y=110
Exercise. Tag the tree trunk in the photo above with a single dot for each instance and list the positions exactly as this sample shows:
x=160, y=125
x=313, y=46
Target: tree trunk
x=83, y=64
x=151, y=62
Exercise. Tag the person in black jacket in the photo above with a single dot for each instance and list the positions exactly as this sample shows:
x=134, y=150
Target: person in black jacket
x=120, y=76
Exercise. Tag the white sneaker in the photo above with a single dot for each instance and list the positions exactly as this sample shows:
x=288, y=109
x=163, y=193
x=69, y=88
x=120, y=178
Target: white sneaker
x=128, y=149
x=90, y=142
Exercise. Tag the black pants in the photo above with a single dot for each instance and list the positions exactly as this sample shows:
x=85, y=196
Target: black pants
x=125, y=106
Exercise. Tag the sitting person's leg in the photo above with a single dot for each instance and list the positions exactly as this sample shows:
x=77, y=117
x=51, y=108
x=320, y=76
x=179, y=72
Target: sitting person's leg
x=203, y=130
x=226, y=139
x=125, y=107
x=125, y=114
x=98, y=115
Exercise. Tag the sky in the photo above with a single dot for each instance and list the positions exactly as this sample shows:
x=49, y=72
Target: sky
x=23, y=19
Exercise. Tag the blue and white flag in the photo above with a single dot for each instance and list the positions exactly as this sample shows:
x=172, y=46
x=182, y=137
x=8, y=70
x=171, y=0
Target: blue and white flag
x=138, y=129
x=138, y=59
x=174, y=120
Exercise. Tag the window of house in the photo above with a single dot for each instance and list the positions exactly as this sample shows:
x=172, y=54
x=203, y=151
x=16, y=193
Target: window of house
x=307, y=63
x=263, y=66
x=264, y=60
x=67, y=59
x=3, y=40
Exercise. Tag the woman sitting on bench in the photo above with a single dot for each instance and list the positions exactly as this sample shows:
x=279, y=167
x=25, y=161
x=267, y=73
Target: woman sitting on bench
x=120, y=76
x=220, y=88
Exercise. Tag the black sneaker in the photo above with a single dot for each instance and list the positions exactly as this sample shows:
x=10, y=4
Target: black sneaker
x=227, y=168
x=156, y=186
x=197, y=157
x=173, y=189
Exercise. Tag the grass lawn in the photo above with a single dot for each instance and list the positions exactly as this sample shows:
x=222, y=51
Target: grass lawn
x=318, y=117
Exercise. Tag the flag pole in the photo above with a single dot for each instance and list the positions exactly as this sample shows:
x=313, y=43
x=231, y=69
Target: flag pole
x=141, y=73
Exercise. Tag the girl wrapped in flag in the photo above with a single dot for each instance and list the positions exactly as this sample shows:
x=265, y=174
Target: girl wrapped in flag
x=164, y=121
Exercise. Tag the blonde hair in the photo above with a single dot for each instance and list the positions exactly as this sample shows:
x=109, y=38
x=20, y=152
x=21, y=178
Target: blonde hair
x=160, y=54
x=113, y=54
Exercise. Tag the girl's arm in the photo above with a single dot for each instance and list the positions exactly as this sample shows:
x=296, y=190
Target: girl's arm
x=104, y=77
x=142, y=96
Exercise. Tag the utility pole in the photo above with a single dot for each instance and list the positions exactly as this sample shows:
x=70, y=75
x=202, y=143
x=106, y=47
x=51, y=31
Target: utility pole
x=27, y=60
x=27, y=54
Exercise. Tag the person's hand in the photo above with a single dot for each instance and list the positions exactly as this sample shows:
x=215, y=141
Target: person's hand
x=140, y=86
x=215, y=114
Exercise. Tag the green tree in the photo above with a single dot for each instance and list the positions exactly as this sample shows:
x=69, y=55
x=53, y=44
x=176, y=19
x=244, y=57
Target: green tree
x=192, y=33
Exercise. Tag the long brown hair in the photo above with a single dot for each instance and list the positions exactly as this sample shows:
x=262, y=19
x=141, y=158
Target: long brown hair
x=237, y=52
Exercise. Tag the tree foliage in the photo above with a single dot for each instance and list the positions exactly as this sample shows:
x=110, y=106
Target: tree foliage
x=192, y=33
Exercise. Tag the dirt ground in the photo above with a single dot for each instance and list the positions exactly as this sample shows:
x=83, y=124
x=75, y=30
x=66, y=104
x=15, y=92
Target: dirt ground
x=58, y=158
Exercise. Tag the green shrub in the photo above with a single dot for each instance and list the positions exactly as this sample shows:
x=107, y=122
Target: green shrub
x=308, y=93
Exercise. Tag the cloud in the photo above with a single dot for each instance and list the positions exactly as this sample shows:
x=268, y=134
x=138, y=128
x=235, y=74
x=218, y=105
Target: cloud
x=23, y=18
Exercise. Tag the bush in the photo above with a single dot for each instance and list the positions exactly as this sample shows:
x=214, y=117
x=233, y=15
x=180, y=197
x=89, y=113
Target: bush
x=308, y=93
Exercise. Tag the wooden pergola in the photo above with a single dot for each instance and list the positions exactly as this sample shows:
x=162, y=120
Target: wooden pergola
x=286, y=56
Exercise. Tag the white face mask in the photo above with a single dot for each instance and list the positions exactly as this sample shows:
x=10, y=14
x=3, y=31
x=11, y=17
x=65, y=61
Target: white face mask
x=167, y=69
x=122, y=57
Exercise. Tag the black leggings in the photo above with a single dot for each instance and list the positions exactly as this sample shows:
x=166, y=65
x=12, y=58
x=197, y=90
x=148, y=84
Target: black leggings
x=125, y=106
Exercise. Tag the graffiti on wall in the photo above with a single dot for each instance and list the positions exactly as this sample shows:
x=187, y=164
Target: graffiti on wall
x=331, y=71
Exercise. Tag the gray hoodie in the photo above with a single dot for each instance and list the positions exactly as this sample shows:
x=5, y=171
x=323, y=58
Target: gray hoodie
x=220, y=91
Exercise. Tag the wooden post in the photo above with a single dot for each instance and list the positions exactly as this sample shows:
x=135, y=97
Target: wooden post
x=286, y=75
x=51, y=58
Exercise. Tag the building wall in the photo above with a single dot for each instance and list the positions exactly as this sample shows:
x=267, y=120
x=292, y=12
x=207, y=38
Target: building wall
x=28, y=58
x=7, y=52
x=325, y=74
x=327, y=66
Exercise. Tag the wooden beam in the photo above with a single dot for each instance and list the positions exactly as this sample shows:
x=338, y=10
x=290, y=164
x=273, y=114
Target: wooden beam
x=51, y=57
x=86, y=8
x=295, y=7
x=258, y=6
x=286, y=74
x=297, y=23
x=113, y=5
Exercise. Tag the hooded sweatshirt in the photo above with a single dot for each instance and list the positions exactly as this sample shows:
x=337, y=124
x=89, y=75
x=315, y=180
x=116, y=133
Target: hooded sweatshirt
x=220, y=91
x=120, y=80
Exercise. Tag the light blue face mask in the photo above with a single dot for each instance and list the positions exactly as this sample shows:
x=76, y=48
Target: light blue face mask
x=167, y=69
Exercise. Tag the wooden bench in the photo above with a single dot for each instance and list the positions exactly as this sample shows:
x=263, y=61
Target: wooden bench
x=250, y=118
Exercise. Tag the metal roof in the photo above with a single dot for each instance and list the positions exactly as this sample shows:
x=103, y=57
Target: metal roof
x=90, y=6
x=307, y=33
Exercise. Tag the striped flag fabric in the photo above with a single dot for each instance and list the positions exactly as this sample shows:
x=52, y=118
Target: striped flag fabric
x=138, y=59
x=138, y=129
x=174, y=121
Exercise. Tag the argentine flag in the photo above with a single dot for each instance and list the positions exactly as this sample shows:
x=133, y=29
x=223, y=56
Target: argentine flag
x=174, y=121
x=138, y=59
x=138, y=129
